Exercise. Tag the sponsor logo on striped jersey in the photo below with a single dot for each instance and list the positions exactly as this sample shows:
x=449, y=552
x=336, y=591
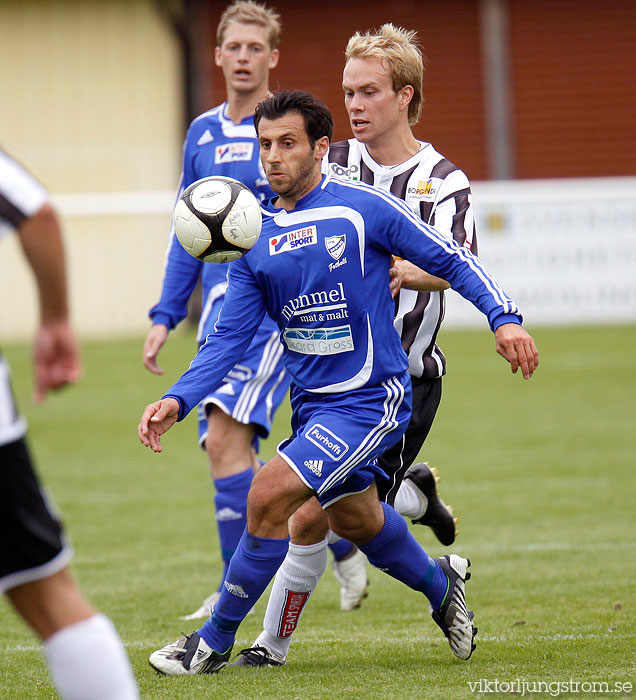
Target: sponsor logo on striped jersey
x=425, y=189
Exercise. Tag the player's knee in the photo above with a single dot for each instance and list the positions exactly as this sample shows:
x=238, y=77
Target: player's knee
x=358, y=532
x=216, y=447
x=356, y=526
x=309, y=524
x=228, y=444
x=262, y=502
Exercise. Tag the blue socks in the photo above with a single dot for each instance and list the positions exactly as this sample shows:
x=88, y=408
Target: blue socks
x=395, y=551
x=230, y=502
x=253, y=566
x=341, y=548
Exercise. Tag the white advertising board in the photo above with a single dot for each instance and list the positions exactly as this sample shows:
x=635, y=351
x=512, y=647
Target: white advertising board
x=565, y=250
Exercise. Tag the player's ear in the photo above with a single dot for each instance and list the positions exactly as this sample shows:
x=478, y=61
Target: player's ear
x=406, y=95
x=321, y=147
x=273, y=58
x=217, y=56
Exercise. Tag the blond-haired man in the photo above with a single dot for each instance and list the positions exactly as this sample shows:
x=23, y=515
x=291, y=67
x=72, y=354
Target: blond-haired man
x=382, y=83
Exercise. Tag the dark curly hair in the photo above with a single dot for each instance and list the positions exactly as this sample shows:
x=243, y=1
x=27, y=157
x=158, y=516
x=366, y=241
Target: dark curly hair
x=317, y=117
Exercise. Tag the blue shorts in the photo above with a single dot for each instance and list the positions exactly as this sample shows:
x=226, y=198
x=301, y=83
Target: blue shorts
x=337, y=438
x=253, y=389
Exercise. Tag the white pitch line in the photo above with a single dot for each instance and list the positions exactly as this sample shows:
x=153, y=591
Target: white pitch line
x=313, y=640
x=92, y=560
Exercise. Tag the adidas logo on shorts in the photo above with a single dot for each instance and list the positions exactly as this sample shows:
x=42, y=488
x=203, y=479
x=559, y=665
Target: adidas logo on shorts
x=315, y=465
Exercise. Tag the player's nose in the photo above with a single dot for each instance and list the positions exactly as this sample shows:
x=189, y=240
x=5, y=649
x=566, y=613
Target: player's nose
x=273, y=154
x=355, y=103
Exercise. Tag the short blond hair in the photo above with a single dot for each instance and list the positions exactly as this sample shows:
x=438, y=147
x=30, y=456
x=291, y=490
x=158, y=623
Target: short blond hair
x=250, y=12
x=399, y=49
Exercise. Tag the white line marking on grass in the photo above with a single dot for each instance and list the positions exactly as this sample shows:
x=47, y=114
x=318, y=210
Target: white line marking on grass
x=521, y=638
x=313, y=640
x=500, y=547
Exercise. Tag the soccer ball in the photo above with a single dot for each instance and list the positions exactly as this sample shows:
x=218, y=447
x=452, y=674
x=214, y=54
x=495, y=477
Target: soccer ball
x=217, y=219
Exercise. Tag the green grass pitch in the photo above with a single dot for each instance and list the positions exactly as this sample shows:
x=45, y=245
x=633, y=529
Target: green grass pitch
x=541, y=474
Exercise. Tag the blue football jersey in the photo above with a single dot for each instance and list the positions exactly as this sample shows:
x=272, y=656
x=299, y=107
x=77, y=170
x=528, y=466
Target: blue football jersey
x=321, y=271
x=214, y=145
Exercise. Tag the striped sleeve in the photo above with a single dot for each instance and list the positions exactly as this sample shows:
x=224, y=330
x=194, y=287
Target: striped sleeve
x=21, y=195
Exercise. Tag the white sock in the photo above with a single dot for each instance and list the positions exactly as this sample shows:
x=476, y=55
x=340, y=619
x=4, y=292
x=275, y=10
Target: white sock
x=88, y=662
x=294, y=582
x=410, y=502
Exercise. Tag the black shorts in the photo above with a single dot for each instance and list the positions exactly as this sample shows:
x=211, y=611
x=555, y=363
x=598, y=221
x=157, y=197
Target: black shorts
x=427, y=393
x=32, y=544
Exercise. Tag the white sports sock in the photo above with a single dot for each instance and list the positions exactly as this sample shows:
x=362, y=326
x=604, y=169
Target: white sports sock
x=88, y=662
x=294, y=582
x=410, y=502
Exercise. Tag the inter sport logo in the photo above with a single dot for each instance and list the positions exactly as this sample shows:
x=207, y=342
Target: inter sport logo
x=229, y=152
x=292, y=240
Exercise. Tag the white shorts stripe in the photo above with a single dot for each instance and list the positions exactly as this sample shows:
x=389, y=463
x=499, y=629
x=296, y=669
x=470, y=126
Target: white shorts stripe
x=251, y=393
x=392, y=403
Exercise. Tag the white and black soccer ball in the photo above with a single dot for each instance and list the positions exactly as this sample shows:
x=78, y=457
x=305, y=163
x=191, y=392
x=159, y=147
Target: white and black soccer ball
x=217, y=219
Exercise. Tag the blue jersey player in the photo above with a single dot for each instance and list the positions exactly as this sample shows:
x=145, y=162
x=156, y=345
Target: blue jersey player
x=222, y=141
x=320, y=269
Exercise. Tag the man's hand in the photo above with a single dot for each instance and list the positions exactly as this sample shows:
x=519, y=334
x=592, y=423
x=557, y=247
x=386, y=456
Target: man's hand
x=404, y=274
x=157, y=336
x=157, y=419
x=55, y=357
x=515, y=344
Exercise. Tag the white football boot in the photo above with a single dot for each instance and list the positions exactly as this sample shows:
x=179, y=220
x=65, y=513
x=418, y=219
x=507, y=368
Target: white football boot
x=352, y=574
x=189, y=655
x=453, y=618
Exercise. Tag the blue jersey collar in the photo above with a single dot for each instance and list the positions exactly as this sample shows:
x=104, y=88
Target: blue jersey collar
x=303, y=203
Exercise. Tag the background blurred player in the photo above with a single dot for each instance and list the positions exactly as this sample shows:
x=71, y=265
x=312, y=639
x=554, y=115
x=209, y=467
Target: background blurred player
x=222, y=141
x=382, y=85
x=82, y=648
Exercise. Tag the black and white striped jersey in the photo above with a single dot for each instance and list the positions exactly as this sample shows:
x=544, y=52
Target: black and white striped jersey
x=440, y=194
x=21, y=196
